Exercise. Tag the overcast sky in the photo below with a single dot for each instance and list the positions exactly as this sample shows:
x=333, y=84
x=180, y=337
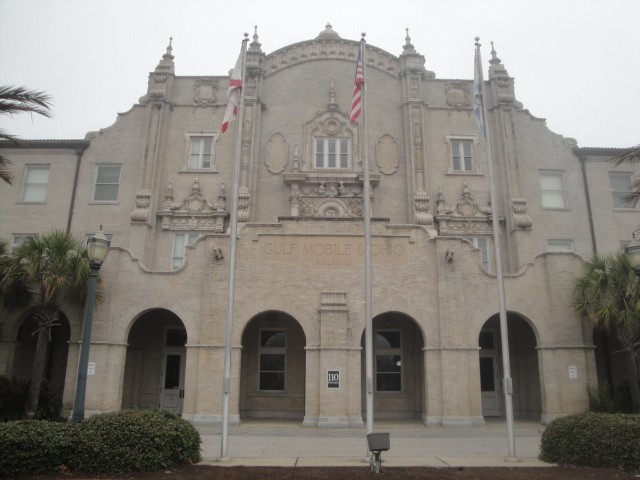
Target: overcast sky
x=575, y=62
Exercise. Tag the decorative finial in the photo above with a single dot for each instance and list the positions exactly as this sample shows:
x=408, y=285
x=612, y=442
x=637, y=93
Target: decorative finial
x=246, y=35
x=255, y=45
x=408, y=47
x=477, y=41
x=494, y=56
x=168, y=55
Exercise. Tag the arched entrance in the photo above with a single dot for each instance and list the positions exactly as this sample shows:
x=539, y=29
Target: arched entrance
x=272, y=377
x=398, y=368
x=527, y=399
x=57, y=351
x=155, y=363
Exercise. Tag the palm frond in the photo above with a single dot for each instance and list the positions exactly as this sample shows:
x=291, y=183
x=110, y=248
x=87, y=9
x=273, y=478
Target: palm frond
x=19, y=99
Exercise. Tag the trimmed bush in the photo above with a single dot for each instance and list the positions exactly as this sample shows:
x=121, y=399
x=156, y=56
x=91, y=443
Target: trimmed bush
x=35, y=446
x=593, y=440
x=135, y=440
x=110, y=443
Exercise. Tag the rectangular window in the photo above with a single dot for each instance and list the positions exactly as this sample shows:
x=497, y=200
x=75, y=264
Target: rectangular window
x=388, y=352
x=559, y=245
x=552, y=189
x=621, y=186
x=201, y=150
x=273, y=344
x=332, y=153
x=107, y=183
x=180, y=242
x=34, y=185
x=482, y=243
x=462, y=156
x=18, y=239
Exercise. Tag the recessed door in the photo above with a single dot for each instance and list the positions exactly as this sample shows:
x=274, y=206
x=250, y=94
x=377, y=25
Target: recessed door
x=172, y=395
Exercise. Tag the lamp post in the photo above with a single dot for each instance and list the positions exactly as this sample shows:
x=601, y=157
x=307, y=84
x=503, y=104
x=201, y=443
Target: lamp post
x=97, y=250
x=633, y=253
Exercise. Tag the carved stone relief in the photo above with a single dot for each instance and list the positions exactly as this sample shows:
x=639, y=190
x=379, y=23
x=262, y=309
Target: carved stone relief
x=277, y=151
x=465, y=217
x=387, y=155
x=205, y=91
x=458, y=95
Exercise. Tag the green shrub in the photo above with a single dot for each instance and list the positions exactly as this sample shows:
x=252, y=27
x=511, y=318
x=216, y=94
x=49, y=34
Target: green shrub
x=135, y=440
x=35, y=446
x=603, y=400
x=593, y=440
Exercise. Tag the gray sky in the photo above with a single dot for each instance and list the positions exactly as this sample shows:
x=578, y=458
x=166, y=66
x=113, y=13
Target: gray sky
x=575, y=62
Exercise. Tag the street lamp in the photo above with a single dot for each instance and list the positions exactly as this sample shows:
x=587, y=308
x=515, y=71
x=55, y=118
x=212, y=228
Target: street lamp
x=633, y=253
x=97, y=250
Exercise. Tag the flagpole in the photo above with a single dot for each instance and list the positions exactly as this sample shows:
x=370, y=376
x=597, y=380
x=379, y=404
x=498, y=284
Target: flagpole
x=366, y=212
x=233, y=233
x=506, y=366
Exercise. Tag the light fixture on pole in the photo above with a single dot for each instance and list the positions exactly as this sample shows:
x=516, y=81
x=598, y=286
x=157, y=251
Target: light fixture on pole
x=633, y=252
x=97, y=250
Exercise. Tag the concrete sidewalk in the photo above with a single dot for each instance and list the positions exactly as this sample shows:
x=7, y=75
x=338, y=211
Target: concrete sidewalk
x=282, y=443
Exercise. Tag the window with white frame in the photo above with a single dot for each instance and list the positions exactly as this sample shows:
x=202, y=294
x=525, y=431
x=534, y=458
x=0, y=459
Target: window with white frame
x=621, y=186
x=201, y=152
x=552, y=189
x=462, y=160
x=482, y=243
x=332, y=152
x=388, y=353
x=18, y=239
x=34, y=184
x=107, y=183
x=273, y=356
x=560, y=245
x=180, y=242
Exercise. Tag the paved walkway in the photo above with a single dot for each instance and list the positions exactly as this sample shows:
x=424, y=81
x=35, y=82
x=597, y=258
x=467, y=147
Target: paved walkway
x=282, y=443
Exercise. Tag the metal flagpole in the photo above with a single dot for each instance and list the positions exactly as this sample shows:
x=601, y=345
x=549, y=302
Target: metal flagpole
x=366, y=212
x=506, y=366
x=233, y=233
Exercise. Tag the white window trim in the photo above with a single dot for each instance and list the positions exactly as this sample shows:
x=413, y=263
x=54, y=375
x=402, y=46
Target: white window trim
x=338, y=140
x=45, y=186
x=628, y=206
x=95, y=184
x=564, y=189
x=214, y=135
x=558, y=243
x=485, y=262
x=189, y=241
x=475, y=139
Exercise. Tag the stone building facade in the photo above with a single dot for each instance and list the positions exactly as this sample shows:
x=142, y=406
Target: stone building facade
x=159, y=181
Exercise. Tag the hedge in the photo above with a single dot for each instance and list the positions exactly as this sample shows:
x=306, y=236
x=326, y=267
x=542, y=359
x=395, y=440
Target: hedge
x=593, y=440
x=136, y=440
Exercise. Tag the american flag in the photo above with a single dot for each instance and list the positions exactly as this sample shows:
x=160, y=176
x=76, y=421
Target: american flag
x=358, y=86
x=233, y=93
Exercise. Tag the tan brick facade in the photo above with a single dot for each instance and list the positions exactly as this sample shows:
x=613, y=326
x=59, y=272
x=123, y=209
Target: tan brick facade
x=158, y=337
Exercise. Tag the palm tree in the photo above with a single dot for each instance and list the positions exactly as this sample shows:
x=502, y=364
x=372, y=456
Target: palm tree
x=608, y=295
x=42, y=272
x=17, y=100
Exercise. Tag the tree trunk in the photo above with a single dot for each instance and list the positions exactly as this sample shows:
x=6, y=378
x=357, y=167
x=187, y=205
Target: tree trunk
x=634, y=386
x=37, y=371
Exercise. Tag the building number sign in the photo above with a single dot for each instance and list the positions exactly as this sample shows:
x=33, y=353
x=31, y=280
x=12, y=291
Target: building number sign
x=333, y=378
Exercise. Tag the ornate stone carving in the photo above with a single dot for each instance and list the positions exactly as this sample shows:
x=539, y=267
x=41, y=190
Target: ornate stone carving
x=521, y=216
x=458, y=96
x=141, y=212
x=387, y=155
x=205, y=91
x=422, y=209
x=195, y=211
x=465, y=217
x=277, y=152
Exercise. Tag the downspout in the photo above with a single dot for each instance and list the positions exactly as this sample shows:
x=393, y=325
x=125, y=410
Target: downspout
x=583, y=160
x=79, y=152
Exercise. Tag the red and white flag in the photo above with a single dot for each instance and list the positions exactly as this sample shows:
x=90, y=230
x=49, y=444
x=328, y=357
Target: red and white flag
x=358, y=87
x=233, y=93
